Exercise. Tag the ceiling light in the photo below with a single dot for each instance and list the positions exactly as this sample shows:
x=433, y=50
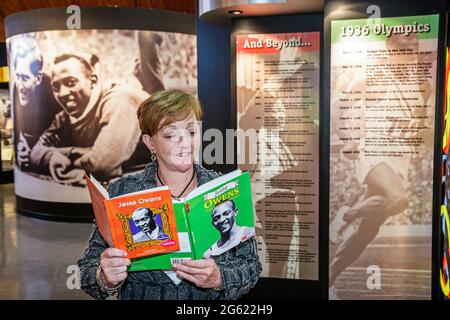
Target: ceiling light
x=235, y=12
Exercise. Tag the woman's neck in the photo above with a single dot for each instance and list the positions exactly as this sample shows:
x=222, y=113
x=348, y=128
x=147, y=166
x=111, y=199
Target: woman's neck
x=177, y=180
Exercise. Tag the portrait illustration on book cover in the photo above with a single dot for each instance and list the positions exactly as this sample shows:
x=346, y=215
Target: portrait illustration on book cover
x=146, y=226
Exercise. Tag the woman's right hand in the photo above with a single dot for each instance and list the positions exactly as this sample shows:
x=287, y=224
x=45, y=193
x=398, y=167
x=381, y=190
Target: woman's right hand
x=114, y=264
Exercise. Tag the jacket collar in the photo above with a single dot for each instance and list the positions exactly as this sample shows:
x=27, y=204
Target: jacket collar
x=152, y=167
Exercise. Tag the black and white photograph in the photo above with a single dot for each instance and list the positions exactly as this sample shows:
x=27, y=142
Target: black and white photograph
x=223, y=218
x=75, y=96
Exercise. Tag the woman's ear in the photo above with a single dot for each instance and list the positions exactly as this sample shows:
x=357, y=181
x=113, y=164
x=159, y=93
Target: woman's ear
x=148, y=141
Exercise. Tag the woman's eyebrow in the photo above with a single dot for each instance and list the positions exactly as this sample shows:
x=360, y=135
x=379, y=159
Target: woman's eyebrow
x=174, y=127
x=168, y=128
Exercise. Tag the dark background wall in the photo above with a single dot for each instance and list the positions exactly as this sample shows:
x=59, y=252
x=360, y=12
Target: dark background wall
x=214, y=84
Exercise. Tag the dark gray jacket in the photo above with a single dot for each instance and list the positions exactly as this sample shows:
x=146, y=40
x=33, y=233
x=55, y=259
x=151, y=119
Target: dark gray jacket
x=240, y=267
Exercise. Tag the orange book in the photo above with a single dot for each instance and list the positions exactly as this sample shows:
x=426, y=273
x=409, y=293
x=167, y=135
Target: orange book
x=141, y=223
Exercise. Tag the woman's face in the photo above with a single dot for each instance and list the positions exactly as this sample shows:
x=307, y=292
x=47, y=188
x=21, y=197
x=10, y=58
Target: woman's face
x=176, y=144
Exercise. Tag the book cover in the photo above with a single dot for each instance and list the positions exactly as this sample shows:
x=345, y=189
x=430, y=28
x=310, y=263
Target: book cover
x=165, y=261
x=140, y=223
x=211, y=220
x=221, y=214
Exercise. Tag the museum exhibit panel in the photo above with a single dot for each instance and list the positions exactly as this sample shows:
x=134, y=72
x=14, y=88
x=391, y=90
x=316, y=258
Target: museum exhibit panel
x=385, y=84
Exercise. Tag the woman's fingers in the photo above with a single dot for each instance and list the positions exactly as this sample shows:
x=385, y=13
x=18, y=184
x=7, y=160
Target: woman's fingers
x=115, y=270
x=115, y=278
x=203, y=273
x=190, y=278
x=116, y=262
x=114, y=265
x=188, y=269
x=113, y=252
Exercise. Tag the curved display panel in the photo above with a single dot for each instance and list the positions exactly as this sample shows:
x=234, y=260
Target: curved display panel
x=75, y=94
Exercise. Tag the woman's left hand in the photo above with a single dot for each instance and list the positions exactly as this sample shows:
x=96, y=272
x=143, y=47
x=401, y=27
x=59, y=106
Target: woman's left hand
x=203, y=273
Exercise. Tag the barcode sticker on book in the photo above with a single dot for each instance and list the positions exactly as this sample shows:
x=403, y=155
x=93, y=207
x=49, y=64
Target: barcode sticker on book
x=178, y=260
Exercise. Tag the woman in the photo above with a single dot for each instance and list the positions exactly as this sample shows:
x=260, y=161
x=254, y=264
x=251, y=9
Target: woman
x=169, y=124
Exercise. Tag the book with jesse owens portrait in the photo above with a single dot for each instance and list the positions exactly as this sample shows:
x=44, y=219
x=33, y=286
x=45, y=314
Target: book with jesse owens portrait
x=212, y=219
x=140, y=223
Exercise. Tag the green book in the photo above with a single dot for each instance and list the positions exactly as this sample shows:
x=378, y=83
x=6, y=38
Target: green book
x=211, y=220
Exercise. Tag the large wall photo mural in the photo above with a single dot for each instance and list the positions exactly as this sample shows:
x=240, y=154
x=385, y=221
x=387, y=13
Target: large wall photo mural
x=75, y=94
